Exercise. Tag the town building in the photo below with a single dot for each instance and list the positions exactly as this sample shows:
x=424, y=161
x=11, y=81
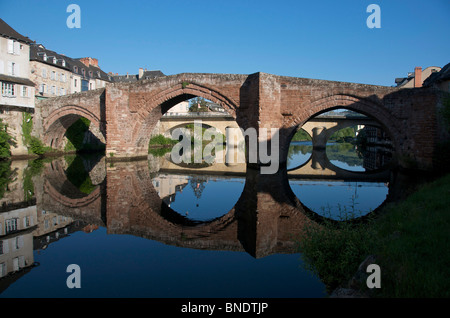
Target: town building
x=17, y=90
x=49, y=71
x=440, y=79
x=56, y=74
x=143, y=74
x=416, y=78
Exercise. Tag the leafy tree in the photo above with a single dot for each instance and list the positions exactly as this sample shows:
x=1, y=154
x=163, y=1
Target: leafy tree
x=198, y=104
x=6, y=140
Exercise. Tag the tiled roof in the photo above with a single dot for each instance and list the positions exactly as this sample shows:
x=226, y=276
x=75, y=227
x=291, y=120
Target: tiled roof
x=8, y=32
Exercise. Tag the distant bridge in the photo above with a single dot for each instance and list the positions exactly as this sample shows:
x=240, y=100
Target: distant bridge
x=320, y=128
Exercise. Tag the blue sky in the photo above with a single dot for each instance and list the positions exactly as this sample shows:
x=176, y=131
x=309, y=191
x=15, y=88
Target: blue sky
x=323, y=39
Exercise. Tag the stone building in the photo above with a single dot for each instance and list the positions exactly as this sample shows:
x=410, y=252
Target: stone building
x=142, y=75
x=49, y=71
x=17, y=90
x=87, y=75
x=56, y=74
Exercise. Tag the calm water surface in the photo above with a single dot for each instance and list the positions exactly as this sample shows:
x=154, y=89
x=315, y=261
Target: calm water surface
x=154, y=230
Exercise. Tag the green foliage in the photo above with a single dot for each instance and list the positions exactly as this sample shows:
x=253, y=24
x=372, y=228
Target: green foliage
x=37, y=146
x=6, y=140
x=77, y=174
x=6, y=176
x=333, y=250
x=301, y=135
x=344, y=134
x=34, y=168
x=160, y=151
x=195, y=102
x=409, y=240
x=75, y=137
x=34, y=144
x=160, y=140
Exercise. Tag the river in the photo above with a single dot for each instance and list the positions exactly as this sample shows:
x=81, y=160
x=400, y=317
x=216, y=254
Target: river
x=154, y=229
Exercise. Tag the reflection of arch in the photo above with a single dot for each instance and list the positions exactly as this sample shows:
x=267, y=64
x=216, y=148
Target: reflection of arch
x=158, y=104
x=319, y=166
x=57, y=123
x=62, y=197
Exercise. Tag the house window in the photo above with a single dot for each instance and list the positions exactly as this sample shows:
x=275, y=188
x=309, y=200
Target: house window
x=53, y=90
x=44, y=73
x=24, y=91
x=84, y=85
x=13, y=47
x=90, y=74
x=10, y=225
x=3, y=270
x=44, y=57
x=52, y=75
x=75, y=69
x=8, y=89
x=63, y=77
x=62, y=91
x=75, y=82
x=54, y=60
x=13, y=68
x=83, y=72
x=63, y=62
x=42, y=88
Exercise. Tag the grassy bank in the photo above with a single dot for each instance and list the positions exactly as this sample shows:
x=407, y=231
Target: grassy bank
x=409, y=239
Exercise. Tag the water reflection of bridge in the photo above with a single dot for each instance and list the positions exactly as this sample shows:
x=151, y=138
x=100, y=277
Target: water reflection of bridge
x=318, y=167
x=261, y=222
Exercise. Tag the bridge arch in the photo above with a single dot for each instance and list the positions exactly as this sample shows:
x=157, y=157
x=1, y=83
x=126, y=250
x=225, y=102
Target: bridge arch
x=57, y=123
x=361, y=105
x=158, y=104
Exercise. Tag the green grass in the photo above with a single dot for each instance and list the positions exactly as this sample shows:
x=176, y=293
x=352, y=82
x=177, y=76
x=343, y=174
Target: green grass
x=410, y=241
x=160, y=140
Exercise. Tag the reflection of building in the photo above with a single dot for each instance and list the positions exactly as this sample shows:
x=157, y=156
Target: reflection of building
x=376, y=157
x=48, y=222
x=168, y=185
x=16, y=240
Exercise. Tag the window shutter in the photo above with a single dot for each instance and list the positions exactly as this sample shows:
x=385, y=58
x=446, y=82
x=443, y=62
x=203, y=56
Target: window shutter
x=10, y=46
x=10, y=66
x=5, y=246
x=16, y=48
x=2, y=67
x=16, y=70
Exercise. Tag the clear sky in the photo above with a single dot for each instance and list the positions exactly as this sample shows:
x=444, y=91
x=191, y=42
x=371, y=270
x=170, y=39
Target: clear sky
x=321, y=39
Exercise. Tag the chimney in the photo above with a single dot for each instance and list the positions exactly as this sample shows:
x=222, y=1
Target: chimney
x=89, y=61
x=141, y=72
x=418, y=76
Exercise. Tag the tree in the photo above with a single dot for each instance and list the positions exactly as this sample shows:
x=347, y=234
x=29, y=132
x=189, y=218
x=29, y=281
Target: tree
x=6, y=140
x=198, y=104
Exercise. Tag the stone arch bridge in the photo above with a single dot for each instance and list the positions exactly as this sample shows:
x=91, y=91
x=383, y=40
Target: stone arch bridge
x=126, y=113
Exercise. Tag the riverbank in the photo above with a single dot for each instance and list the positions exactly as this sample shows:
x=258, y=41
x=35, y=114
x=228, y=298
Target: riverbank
x=408, y=240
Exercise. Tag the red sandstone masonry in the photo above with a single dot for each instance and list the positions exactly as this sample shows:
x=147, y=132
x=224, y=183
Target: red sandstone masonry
x=131, y=110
